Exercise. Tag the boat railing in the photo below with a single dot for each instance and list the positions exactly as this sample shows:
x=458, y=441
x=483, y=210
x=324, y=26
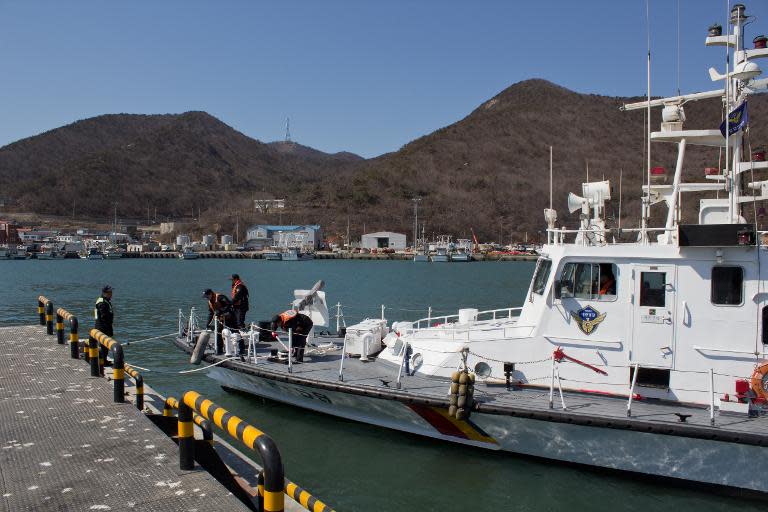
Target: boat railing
x=557, y=236
x=491, y=314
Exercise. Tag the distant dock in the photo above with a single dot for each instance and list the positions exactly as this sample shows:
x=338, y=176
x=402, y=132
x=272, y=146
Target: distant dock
x=322, y=255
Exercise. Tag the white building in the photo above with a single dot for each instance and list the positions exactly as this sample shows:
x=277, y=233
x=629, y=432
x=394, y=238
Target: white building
x=383, y=240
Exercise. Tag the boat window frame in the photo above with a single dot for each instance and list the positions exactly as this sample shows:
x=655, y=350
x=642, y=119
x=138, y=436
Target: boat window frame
x=712, y=286
x=539, y=265
x=597, y=297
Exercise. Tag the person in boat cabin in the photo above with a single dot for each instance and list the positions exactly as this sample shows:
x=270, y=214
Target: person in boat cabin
x=239, y=300
x=607, y=280
x=300, y=325
x=103, y=313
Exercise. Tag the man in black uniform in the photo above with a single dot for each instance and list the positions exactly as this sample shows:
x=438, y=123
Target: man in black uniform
x=300, y=324
x=103, y=313
x=221, y=307
x=239, y=300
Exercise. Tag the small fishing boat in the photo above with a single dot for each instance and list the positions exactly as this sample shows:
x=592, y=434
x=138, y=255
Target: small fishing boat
x=188, y=254
x=93, y=254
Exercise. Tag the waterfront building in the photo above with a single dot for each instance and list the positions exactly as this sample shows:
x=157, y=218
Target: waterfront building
x=383, y=240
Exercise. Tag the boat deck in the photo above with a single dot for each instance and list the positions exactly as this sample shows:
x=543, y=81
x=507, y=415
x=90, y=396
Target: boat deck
x=378, y=379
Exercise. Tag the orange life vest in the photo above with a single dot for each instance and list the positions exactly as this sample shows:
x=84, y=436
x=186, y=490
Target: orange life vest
x=234, y=287
x=287, y=315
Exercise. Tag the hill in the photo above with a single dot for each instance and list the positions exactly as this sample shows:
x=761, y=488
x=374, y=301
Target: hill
x=488, y=171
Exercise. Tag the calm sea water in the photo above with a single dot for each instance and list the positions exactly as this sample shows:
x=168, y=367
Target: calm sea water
x=350, y=465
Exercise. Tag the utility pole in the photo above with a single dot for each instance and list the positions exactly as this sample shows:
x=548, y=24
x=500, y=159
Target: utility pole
x=415, y=220
x=349, y=243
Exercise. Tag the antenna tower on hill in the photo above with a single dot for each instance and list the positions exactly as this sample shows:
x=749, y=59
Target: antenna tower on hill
x=288, y=130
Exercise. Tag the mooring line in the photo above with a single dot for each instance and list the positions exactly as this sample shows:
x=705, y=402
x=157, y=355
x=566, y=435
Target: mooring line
x=150, y=339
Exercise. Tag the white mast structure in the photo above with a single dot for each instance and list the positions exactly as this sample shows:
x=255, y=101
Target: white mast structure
x=739, y=84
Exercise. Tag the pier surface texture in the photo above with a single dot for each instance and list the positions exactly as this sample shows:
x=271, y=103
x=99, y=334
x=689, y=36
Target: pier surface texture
x=65, y=445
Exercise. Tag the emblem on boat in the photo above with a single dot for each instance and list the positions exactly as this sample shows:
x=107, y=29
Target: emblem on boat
x=588, y=319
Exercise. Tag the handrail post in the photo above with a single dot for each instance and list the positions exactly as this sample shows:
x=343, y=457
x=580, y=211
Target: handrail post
x=552, y=385
x=59, y=328
x=41, y=310
x=290, y=350
x=711, y=396
x=402, y=362
x=93, y=356
x=49, y=317
x=343, y=354
x=632, y=392
x=186, y=437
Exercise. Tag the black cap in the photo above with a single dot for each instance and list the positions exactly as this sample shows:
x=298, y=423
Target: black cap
x=235, y=276
x=106, y=289
x=207, y=292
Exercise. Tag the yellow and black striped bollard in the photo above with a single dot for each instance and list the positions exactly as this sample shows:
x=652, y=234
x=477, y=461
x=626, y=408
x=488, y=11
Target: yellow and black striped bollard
x=93, y=356
x=74, y=338
x=118, y=362
x=253, y=438
x=59, y=328
x=186, y=438
x=304, y=498
x=49, y=317
x=41, y=310
x=139, y=381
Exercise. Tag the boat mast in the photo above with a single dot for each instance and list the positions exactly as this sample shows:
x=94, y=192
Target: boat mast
x=647, y=199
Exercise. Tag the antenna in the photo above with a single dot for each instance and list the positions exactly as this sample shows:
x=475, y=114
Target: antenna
x=550, y=177
x=288, y=130
x=621, y=173
x=678, y=47
x=647, y=206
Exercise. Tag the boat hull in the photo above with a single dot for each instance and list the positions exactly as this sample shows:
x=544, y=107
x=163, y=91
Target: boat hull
x=698, y=460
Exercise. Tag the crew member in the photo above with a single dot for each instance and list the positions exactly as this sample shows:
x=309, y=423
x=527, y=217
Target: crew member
x=220, y=307
x=239, y=300
x=607, y=281
x=300, y=324
x=103, y=312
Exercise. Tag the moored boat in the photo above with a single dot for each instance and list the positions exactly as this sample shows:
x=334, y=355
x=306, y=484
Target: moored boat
x=642, y=350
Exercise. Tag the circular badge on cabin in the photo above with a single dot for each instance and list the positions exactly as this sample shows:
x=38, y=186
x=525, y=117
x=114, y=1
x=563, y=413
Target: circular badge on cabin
x=588, y=319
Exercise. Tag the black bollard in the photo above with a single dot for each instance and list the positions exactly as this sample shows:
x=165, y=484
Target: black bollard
x=74, y=338
x=186, y=438
x=49, y=317
x=93, y=356
x=59, y=328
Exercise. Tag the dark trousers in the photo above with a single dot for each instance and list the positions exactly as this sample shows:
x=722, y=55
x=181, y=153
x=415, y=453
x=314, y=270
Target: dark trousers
x=298, y=343
x=240, y=316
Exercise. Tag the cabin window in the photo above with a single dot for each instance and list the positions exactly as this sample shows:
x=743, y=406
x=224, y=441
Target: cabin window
x=541, y=276
x=592, y=281
x=727, y=285
x=653, y=289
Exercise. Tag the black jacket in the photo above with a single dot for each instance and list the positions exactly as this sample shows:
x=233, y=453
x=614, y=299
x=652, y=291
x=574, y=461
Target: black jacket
x=103, y=315
x=224, y=311
x=240, y=297
x=301, y=324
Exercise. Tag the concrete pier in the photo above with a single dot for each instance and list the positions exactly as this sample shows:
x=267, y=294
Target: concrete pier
x=65, y=445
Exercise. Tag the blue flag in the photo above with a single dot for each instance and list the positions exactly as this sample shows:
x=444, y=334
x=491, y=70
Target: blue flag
x=737, y=120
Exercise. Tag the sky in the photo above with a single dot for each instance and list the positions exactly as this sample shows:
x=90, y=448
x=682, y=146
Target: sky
x=352, y=75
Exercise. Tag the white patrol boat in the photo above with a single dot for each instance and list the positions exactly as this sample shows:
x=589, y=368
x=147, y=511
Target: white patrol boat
x=646, y=356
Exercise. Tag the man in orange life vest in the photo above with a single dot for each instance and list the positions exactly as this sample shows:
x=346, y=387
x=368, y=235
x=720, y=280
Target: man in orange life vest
x=300, y=324
x=239, y=300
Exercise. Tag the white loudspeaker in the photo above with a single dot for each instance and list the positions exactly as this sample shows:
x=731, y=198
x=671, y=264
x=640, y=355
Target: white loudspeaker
x=575, y=202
